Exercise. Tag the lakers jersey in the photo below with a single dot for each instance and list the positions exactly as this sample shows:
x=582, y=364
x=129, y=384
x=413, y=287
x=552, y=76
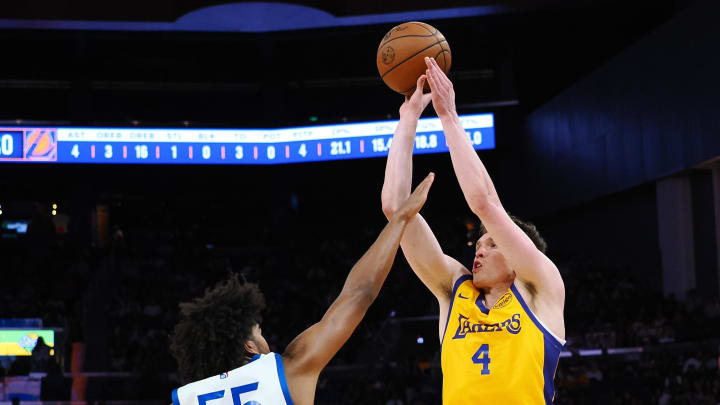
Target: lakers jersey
x=260, y=382
x=497, y=355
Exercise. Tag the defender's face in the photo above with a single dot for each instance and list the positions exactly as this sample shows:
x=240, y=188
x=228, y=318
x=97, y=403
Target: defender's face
x=489, y=266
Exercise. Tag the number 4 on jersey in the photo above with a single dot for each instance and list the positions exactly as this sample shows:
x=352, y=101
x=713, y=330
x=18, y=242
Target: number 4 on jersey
x=482, y=356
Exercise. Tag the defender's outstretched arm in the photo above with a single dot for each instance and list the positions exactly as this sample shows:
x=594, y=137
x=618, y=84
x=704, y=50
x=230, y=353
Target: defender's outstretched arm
x=308, y=353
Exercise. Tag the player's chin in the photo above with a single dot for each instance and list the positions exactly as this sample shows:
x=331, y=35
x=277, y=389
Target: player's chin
x=478, y=279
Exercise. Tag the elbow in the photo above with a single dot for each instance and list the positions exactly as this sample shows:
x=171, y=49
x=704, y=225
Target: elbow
x=391, y=201
x=388, y=209
x=363, y=296
x=480, y=204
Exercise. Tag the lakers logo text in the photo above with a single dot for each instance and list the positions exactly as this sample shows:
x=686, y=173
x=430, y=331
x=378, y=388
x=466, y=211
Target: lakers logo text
x=511, y=325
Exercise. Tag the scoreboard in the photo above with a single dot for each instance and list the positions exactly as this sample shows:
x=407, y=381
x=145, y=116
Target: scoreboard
x=228, y=146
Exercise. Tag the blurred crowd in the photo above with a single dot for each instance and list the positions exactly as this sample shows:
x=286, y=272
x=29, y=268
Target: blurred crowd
x=683, y=376
x=122, y=300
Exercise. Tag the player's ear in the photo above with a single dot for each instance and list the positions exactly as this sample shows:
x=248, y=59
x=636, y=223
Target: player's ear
x=251, y=347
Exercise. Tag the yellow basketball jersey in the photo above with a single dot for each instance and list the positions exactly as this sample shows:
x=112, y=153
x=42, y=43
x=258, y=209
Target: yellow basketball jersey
x=498, y=355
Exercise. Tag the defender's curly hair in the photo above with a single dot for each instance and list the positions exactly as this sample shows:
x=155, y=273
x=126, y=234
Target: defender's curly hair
x=529, y=229
x=210, y=337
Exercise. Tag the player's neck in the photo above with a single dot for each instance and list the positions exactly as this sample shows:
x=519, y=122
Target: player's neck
x=492, y=293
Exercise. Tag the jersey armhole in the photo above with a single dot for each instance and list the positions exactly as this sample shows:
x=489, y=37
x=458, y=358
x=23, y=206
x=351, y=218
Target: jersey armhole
x=548, y=334
x=458, y=282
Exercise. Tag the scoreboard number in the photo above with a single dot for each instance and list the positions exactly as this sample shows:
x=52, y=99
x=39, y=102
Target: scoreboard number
x=340, y=148
x=141, y=151
x=475, y=137
x=7, y=146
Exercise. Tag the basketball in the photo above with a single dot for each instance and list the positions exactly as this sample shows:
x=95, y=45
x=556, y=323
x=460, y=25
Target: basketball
x=402, y=51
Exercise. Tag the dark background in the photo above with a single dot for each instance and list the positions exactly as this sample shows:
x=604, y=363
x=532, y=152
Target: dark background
x=595, y=103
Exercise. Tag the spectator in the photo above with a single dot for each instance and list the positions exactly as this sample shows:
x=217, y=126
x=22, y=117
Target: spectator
x=40, y=356
x=691, y=364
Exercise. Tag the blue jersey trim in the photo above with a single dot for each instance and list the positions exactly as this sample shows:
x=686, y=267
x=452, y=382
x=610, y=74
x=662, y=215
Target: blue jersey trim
x=255, y=357
x=552, y=350
x=479, y=303
x=283, y=381
x=459, y=281
x=552, y=356
x=176, y=400
x=545, y=332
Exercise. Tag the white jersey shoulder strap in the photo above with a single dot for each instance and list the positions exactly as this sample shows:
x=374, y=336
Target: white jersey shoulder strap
x=260, y=382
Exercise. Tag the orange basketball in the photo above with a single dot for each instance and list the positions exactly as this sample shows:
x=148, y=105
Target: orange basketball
x=402, y=51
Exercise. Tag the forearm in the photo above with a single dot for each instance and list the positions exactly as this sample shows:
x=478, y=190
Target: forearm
x=398, y=171
x=370, y=272
x=472, y=175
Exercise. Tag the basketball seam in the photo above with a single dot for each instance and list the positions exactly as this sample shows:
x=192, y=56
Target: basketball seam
x=405, y=36
x=445, y=66
x=443, y=48
x=443, y=54
x=411, y=56
x=426, y=29
x=434, y=34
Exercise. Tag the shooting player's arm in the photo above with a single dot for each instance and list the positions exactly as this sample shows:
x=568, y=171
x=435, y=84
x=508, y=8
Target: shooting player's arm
x=530, y=265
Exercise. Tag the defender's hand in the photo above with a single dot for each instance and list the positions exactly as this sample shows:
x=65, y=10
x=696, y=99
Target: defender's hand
x=417, y=199
x=443, y=94
x=415, y=104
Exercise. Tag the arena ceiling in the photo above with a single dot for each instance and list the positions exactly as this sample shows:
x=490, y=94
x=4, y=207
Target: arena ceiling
x=216, y=63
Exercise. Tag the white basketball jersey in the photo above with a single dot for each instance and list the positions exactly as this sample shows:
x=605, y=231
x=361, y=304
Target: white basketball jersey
x=260, y=382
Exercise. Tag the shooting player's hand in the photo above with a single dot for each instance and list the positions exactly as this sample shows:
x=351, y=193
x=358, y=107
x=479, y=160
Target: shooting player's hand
x=415, y=104
x=441, y=88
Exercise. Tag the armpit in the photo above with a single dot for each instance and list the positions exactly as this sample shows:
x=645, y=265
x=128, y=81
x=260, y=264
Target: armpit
x=531, y=293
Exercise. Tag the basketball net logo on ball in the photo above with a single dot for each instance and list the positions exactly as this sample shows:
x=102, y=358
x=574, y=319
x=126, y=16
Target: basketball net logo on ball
x=402, y=51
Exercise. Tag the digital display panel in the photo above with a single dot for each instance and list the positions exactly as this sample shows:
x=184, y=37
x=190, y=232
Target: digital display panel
x=15, y=227
x=228, y=146
x=19, y=342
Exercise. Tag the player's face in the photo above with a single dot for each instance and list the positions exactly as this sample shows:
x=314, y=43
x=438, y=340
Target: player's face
x=489, y=266
x=259, y=340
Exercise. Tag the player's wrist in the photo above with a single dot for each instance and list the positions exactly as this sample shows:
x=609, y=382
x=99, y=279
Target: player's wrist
x=451, y=124
x=410, y=115
x=400, y=218
x=449, y=117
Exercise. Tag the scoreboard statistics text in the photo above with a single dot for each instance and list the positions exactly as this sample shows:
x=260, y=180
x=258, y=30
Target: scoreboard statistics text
x=228, y=146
